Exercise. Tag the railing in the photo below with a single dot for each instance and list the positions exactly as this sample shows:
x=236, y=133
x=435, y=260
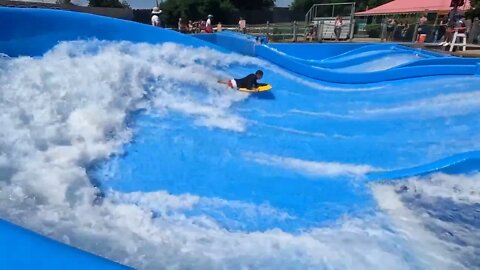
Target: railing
x=300, y=31
x=313, y=12
x=413, y=32
x=293, y=31
x=432, y=33
x=320, y=17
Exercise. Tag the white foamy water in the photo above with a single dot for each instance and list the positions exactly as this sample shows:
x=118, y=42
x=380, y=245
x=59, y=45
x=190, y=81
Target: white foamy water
x=440, y=214
x=311, y=168
x=62, y=112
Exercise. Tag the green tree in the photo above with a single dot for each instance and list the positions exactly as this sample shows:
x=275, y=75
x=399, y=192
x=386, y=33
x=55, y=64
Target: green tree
x=474, y=9
x=105, y=3
x=196, y=9
x=125, y=4
x=253, y=4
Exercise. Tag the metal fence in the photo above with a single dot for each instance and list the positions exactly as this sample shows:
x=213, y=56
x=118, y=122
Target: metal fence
x=407, y=30
x=432, y=33
x=295, y=31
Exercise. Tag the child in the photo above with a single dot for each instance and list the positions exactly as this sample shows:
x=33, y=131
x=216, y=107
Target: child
x=249, y=82
x=338, y=27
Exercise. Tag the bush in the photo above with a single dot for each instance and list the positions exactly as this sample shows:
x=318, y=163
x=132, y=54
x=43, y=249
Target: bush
x=281, y=30
x=276, y=31
x=374, y=30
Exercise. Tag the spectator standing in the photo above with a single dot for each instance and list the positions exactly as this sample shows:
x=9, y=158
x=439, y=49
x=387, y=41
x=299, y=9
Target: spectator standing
x=404, y=32
x=338, y=27
x=311, y=33
x=179, y=27
x=202, y=26
x=453, y=17
x=391, y=24
x=190, y=26
x=156, y=12
x=468, y=25
x=242, y=25
x=422, y=26
x=208, y=24
x=219, y=27
x=182, y=26
x=442, y=29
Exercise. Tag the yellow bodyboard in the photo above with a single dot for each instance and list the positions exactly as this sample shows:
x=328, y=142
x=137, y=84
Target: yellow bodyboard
x=261, y=88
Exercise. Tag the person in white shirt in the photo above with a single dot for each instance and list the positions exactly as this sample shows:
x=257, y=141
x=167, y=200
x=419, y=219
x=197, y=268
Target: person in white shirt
x=156, y=17
x=208, y=25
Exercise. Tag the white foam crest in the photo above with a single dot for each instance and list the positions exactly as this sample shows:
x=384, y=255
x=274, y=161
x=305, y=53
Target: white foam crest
x=160, y=201
x=166, y=204
x=458, y=188
x=127, y=233
x=311, y=168
x=207, y=115
x=431, y=251
x=61, y=112
x=169, y=66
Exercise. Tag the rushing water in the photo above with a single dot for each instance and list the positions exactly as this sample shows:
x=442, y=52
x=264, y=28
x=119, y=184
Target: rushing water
x=134, y=152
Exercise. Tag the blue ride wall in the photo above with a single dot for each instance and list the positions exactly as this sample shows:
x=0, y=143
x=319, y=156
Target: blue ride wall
x=46, y=28
x=22, y=249
x=297, y=64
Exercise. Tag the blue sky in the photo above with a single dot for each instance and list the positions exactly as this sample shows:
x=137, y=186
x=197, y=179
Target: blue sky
x=284, y=3
x=151, y=3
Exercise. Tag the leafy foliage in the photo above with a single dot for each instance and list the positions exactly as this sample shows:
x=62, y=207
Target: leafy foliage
x=196, y=9
x=253, y=4
x=374, y=30
x=125, y=4
x=105, y=3
x=474, y=10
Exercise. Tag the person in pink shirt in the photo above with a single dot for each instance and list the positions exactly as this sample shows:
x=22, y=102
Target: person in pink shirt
x=242, y=25
x=338, y=27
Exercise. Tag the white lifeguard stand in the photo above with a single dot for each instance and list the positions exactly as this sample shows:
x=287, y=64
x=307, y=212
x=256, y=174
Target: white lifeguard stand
x=463, y=43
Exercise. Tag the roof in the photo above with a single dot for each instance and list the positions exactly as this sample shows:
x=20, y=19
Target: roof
x=411, y=6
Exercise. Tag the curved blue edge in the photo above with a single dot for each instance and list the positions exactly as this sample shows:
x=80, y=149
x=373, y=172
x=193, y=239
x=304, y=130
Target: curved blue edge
x=432, y=64
x=21, y=248
x=46, y=28
x=24, y=249
x=462, y=163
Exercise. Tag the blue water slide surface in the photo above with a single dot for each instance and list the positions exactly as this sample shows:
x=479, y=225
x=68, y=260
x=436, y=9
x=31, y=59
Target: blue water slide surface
x=23, y=249
x=48, y=27
x=323, y=67
x=292, y=160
